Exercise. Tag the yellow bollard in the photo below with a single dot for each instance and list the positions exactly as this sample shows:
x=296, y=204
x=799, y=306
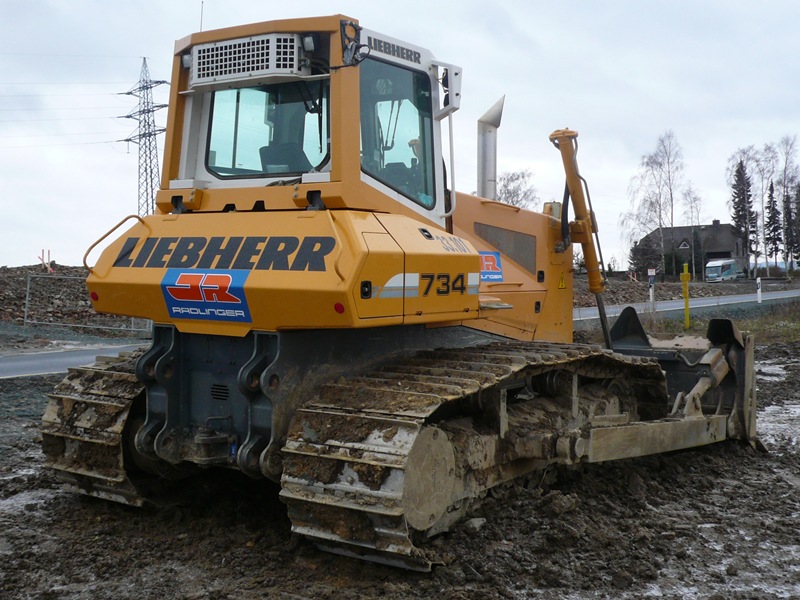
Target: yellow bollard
x=685, y=277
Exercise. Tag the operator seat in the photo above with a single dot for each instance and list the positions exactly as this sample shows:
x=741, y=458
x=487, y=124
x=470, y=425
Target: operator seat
x=397, y=175
x=284, y=158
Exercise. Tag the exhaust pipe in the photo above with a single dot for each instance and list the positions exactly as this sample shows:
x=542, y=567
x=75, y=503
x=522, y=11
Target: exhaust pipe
x=487, y=150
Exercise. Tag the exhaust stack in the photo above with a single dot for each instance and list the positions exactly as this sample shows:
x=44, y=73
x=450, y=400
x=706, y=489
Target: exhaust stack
x=487, y=150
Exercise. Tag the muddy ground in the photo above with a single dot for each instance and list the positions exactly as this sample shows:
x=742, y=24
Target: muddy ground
x=718, y=522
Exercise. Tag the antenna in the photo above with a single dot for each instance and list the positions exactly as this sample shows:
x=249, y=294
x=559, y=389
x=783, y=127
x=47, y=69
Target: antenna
x=145, y=136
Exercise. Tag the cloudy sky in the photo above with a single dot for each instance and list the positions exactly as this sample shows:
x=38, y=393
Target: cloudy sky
x=722, y=74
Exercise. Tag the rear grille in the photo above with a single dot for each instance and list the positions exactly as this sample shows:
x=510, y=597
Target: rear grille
x=261, y=55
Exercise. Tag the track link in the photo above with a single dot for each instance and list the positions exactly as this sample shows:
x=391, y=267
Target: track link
x=82, y=428
x=378, y=459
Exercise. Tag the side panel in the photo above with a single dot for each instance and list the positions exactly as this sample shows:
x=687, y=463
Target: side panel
x=441, y=272
x=520, y=268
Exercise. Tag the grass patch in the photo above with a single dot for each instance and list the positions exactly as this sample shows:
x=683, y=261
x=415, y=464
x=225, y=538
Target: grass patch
x=770, y=323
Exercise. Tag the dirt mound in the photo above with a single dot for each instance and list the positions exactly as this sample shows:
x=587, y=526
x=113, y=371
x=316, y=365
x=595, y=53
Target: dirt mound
x=53, y=296
x=624, y=291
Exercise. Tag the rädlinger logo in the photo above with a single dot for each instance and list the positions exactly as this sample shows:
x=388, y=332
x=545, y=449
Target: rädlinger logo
x=216, y=295
x=491, y=266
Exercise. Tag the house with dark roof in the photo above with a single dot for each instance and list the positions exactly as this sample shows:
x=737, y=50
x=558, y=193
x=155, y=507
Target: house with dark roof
x=711, y=242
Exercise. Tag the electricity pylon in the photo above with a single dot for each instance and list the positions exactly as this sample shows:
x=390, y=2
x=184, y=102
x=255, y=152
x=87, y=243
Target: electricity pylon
x=145, y=137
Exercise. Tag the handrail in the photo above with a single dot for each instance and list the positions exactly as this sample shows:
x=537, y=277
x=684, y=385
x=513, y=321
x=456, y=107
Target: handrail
x=501, y=205
x=109, y=232
x=450, y=212
x=496, y=283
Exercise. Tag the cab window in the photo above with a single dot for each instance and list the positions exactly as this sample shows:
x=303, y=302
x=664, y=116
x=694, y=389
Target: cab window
x=269, y=130
x=397, y=129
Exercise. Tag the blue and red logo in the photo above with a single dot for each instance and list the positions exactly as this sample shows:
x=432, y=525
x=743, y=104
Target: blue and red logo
x=209, y=295
x=491, y=266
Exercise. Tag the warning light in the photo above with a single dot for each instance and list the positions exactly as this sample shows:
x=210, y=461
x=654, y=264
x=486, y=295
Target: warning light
x=94, y=296
x=339, y=307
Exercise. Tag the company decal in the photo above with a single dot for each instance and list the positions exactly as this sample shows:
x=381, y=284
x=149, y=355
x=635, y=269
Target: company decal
x=260, y=253
x=491, y=266
x=395, y=50
x=216, y=295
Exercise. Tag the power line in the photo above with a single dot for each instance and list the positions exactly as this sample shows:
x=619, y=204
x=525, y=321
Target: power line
x=63, y=108
x=55, y=95
x=55, y=119
x=27, y=135
x=62, y=82
x=64, y=144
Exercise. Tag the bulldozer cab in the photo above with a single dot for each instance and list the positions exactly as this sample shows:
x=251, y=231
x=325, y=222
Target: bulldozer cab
x=315, y=108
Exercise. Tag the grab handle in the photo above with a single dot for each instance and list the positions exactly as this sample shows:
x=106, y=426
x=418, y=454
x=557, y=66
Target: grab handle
x=108, y=233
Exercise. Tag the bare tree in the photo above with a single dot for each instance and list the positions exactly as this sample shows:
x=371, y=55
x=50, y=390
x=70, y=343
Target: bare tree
x=763, y=169
x=516, y=188
x=654, y=193
x=578, y=262
x=786, y=179
x=747, y=156
x=693, y=203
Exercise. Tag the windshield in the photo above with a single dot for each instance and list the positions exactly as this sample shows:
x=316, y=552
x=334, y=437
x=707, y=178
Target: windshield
x=397, y=129
x=269, y=130
x=713, y=271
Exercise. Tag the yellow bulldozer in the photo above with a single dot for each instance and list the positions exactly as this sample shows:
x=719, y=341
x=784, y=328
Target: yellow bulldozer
x=330, y=314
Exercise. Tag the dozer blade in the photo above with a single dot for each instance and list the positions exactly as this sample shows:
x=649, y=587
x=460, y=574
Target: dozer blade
x=732, y=389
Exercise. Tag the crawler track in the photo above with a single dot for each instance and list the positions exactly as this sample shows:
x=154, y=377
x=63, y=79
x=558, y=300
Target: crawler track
x=377, y=460
x=83, y=425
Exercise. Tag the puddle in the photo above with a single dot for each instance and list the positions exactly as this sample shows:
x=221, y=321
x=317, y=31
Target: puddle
x=771, y=372
x=779, y=425
x=24, y=500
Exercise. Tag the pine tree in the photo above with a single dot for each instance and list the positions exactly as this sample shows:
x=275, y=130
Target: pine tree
x=788, y=229
x=793, y=224
x=645, y=255
x=745, y=219
x=773, y=227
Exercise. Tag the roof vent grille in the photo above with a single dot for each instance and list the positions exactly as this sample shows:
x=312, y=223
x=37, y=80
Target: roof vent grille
x=245, y=58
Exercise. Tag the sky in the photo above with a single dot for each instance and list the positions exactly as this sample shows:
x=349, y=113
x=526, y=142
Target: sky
x=721, y=74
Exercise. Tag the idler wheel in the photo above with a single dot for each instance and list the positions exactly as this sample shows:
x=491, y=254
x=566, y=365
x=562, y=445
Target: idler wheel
x=429, y=478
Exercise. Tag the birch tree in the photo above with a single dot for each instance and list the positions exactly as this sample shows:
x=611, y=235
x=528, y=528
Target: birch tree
x=763, y=169
x=786, y=178
x=654, y=192
x=693, y=204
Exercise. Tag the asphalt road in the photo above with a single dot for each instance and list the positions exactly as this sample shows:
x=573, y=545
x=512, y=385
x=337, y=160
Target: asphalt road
x=46, y=363
x=695, y=304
